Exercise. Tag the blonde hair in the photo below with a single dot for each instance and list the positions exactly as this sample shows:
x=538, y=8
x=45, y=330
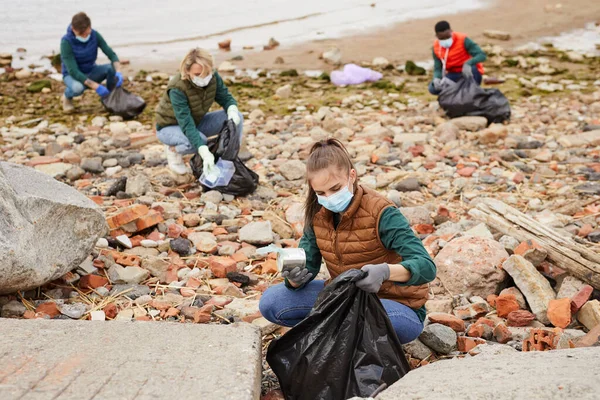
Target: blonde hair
x=196, y=56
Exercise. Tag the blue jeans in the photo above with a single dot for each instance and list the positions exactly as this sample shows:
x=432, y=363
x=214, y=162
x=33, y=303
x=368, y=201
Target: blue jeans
x=456, y=76
x=286, y=307
x=97, y=74
x=210, y=125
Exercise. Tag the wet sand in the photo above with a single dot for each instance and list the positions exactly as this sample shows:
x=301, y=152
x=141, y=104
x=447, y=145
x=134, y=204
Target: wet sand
x=525, y=20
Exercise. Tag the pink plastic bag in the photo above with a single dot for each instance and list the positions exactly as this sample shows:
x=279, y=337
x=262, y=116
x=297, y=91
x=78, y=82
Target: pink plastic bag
x=354, y=75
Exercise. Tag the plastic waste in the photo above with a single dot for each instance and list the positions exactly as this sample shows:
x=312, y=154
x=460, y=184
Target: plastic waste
x=123, y=103
x=352, y=74
x=220, y=175
x=226, y=147
x=346, y=347
x=467, y=98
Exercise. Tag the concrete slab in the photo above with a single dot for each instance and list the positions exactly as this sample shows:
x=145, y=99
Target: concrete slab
x=560, y=374
x=73, y=360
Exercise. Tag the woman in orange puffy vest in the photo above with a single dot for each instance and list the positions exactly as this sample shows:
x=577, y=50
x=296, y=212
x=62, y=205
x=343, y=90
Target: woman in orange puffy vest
x=454, y=56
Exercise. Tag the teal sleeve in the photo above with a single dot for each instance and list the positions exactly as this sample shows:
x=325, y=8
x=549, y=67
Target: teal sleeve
x=112, y=56
x=477, y=55
x=183, y=114
x=223, y=97
x=67, y=56
x=437, y=66
x=308, y=242
x=395, y=234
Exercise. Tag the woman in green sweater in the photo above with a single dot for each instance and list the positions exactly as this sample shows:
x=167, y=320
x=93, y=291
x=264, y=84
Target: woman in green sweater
x=183, y=122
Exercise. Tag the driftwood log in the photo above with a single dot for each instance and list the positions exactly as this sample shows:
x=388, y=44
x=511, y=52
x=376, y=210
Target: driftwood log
x=563, y=251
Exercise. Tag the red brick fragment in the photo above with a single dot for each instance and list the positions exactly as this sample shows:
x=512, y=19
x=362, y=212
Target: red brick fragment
x=160, y=305
x=541, y=340
x=466, y=171
x=50, y=308
x=28, y=314
x=221, y=266
x=466, y=344
x=110, y=310
x=92, y=281
x=559, y=312
x=491, y=299
x=486, y=321
x=457, y=324
x=128, y=215
x=505, y=304
x=476, y=330
x=424, y=229
x=172, y=312
x=148, y=220
x=269, y=267
x=502, y=334
x=580, y=298
x=520, y=318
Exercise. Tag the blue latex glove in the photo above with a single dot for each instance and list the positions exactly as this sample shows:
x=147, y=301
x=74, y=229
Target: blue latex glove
x=102, y=91
x=119, y=77
x=376, y=275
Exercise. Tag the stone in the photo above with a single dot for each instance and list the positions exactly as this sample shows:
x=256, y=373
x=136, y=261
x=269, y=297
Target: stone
x=532, y=284
x=93, y=165
x=332, y=56
x=13, y=309
x=589, y=315
x=568, y=287
x=509, y=243
x=592, y=338
x=74, y=173
x=284, y=92
x=418, y=350
x=471, y=265
x=191, y=220
x=293, y=170
x=493, y=34
x=492, y=134
x=408, y=185
x=508, y=376
x=380, y=62
x=532, y=251
x=204, y=242
x=124, y=241
x=212, y=196
x=132, y=291
x=472, y=124
x=469, y=311
x=278, y=225
x=59, y=169
x=439, y=305
x=227, y=66
x=48, y=228
x=138, y=185
x=257, y=233
x=417, y=215
x=97, y=315
x=457, y=324
x=446, y=132
x=439, y=338
x=99, y=121
x=157, y=267
x=480, y=230
x=124, y=315
x=559, y=312
x=132, y=275
x=74, y=310
x=23, y=74
x=590, y=138
x=181, y=246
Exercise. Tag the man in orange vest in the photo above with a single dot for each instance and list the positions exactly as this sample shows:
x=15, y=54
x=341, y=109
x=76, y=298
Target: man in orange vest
x=454, y=56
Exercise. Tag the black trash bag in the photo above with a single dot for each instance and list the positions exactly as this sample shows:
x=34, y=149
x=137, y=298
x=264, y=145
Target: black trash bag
x=346, y=347
x=122, y=102
x=467, y=98
x=227, y=146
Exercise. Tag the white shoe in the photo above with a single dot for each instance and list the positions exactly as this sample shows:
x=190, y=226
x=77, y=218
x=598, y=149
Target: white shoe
x=175, y=161
x=67, y=104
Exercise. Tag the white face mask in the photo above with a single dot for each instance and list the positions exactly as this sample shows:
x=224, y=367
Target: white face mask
x=202, y=82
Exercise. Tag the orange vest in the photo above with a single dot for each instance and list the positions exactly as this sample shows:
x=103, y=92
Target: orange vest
x=356, y=243
x=457, y=54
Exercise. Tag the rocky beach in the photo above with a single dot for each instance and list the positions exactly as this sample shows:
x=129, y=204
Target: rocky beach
x=509, y=212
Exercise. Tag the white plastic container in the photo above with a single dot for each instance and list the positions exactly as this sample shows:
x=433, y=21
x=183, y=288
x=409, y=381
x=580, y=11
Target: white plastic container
x=220, y=175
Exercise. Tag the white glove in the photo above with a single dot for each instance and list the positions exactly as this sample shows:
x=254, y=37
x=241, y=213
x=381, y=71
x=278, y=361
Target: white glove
x=207, y=158
x=233, y=114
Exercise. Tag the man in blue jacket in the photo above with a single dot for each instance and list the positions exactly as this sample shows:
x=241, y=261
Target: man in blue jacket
x=79, y=51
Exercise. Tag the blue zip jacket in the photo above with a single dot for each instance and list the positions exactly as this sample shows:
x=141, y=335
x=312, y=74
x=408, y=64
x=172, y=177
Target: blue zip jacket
x=85, y=53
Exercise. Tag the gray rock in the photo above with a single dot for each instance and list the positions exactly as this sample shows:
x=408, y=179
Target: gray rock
x=408, y=185
x=259, y=233
x=93, y=165
x=509, y=243
x=13, y=309
x=439, y=337
x=138, y=185
x=212, y=196
x=472, y=124
x=446, y=132
x=47, y=228
x=131, y=291
x=293, y=170
x=181, y=246
x=418, y=350
x=74, y=311
x=75, y=173
x=417, y=215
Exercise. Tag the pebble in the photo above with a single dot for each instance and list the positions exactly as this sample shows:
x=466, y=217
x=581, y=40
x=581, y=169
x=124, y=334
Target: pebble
x=74, y=310
x=149, y=243
x=439, y=338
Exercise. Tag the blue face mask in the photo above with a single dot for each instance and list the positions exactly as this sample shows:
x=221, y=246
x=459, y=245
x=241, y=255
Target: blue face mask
x=446, y=43
x=337, y=202
x=83, y=40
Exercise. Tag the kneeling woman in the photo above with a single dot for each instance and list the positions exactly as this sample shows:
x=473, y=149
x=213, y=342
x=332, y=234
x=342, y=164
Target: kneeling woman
x=351, y=226
x=183, y=122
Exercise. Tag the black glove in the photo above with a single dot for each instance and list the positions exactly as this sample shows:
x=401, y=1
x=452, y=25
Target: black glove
x=297, y=276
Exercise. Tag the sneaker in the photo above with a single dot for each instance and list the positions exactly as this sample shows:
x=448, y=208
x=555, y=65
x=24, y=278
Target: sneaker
x=175, y=161
x=67, y=104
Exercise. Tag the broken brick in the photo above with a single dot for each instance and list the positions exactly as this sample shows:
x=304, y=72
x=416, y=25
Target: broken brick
x=505, y=304
x=541, y=340
x=48, y=308
x=592, y=338
x=466, y=344
x=424, y=229
x=172, y=312
x=491, y=299
x=129, y=214
x=174, y=231
x=532, y=251
x=502, y=334
x=92, y=281
x=148, y=220
x=220, y=266
x=520, y=318
x=127, y=260
x=580, y=298
x=476, y=330
x=457, y=324
x=269, y=267
x=110, y=310
x=559, y=312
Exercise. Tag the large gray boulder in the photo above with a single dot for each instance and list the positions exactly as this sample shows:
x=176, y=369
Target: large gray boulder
x=46, y=228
